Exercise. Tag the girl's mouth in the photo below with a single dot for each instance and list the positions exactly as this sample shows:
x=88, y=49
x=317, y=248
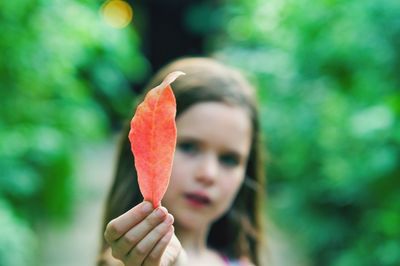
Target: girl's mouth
x=197, y=199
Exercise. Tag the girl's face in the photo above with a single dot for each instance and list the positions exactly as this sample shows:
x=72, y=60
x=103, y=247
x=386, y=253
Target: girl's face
x=213, y=146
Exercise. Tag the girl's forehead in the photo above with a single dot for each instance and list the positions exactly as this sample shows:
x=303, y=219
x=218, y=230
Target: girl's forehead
x=214, y=110
x=216, y=123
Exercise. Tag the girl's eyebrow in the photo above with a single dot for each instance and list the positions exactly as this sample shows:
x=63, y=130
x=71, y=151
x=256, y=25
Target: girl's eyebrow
x=225, y=150
x=188, y=138
x=192, y=139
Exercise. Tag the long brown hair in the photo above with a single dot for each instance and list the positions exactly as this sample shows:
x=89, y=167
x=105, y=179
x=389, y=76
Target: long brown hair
x=239, y=231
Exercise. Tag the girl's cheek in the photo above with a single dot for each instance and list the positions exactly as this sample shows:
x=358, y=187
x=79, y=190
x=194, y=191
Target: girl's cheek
x=234, y=179
x=233, y=185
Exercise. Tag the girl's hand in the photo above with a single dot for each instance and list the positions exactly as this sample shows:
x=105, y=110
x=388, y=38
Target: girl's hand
x=144, y=236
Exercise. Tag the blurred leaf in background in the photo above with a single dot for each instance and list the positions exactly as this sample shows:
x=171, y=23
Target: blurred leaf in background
x=65, y=79
x=328, y=78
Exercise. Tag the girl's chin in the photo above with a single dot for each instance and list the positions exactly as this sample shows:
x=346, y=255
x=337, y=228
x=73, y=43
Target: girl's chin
x=194, y=221
x=190, y=226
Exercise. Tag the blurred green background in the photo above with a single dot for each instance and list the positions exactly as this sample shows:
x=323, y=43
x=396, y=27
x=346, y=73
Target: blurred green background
x=328, y=77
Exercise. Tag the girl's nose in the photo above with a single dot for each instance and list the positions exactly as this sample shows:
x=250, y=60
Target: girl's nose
x=207, y=169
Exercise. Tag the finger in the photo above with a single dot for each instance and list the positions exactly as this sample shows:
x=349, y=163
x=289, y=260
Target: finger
x=120, y=225
x=131, y=238
x=156, y=253
x=141, y=251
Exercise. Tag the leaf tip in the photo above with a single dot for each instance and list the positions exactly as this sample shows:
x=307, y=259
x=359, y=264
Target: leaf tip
x=171, y=77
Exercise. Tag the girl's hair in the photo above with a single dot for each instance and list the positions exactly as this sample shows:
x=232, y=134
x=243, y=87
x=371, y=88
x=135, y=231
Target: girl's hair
x=238, y=232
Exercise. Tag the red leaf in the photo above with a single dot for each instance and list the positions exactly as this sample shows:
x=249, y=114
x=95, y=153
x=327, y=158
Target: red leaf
x=153, y=139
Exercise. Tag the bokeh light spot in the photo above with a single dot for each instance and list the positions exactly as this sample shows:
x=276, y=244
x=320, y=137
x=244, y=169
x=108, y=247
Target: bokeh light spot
x=117, y=13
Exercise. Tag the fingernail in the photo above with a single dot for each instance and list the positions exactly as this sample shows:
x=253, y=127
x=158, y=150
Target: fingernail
x=147, y=206
x=160, y=212
x=170, y=219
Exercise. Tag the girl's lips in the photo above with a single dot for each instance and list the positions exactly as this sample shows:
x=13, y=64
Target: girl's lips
x=198, y=199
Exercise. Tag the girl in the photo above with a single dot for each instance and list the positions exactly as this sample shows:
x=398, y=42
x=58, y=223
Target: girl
x=211, y=212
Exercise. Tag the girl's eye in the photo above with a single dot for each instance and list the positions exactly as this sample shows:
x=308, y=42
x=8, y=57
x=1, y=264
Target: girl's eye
x=229, y=160
x=188, y=147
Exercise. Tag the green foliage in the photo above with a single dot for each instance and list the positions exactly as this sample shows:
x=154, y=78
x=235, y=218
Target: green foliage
x=16, y=236
x=327, y=73
x=64, y=77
